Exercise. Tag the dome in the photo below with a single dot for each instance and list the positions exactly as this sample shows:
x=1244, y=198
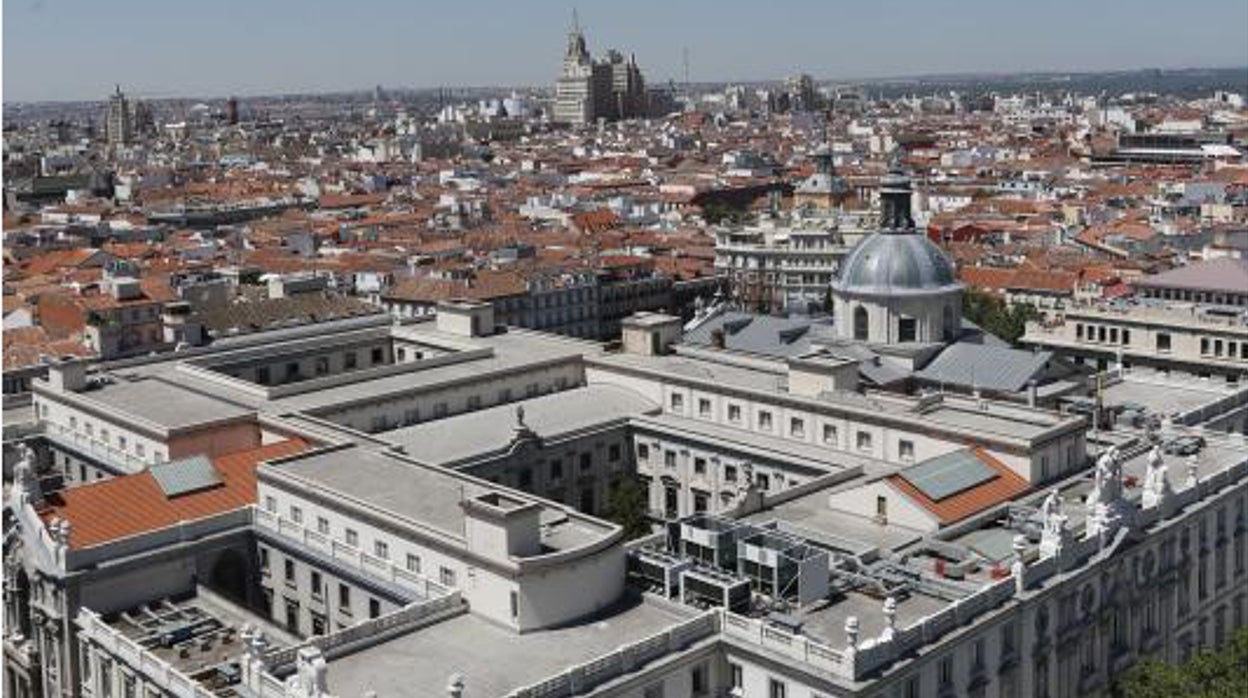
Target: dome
x=890, y=263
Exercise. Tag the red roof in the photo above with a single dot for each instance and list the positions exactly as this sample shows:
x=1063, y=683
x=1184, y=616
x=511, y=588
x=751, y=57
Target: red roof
x=130, y=505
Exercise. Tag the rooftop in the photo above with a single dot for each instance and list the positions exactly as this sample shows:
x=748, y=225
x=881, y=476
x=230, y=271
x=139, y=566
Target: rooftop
x=447, y=441
x=422, y=496
x=129, y=505
x=492, y=659
x=162, y=403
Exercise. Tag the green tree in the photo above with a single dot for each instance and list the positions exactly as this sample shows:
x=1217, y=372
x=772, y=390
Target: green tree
x=994, y=315
x=627, y=506
x=1208, y=674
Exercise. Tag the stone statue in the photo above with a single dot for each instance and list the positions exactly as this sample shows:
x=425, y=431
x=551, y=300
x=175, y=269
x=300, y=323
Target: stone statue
x=310, y=679
x=1156, y=479
x=1051, y=511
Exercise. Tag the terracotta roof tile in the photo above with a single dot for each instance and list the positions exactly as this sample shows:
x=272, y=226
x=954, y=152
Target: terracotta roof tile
x=131, y=505
x=1003, y=488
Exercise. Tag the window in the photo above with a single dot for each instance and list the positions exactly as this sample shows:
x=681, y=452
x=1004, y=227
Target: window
x=446, y=576
x=704, y=407
x=734, y=413
x=764, y=421
x=264, y=559
x=290, y=570
x=525, y=479
x=864, y=441
x=321, y=366
x=353, y=538
x=1204, y=345
x=587, y=461
x=349, y=360
x=374, y=608
x=730, y=473
x=881, y=506
x=946, y=672
x=678, y=402
x=737, y=675
x=699, y=466
x=829, y=434
x=73, y=423
x=905, y=450
x=439, y=410
x=381, y=549
x=907, y=329
x=322, y=525
x=379, y=355
x=797, y=427
x=776, y=688
x=669, y=458
x=318, y=624
x=698, y=679
x=1126, y=336
x=556, y=470
x=121, y=442
x=413, y=563
x=515, y=605
x=402, y=354
x=504, y=395
x=643, y=452
x=653, y=691
x=861, y=323
x=296, y=514
x=763, y=480
x=701, y=501
x=270, y=503
x=344, y=597
x=316, y=584
x=613, y=452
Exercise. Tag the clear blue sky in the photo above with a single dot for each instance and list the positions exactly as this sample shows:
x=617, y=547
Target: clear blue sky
x=77, y=49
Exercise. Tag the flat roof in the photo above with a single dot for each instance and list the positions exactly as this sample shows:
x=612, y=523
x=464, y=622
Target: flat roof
x=826, y=623
x=423, y=495
x=493, y=660
x=1162, y=396
x=485, y=431
x=170, y=406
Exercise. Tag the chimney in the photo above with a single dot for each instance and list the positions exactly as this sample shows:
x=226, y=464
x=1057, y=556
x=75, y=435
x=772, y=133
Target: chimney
x=466, y=318
x=717, y=338
x=68, y=375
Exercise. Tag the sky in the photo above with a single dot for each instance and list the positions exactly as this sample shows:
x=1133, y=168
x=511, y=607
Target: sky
x=77, y=49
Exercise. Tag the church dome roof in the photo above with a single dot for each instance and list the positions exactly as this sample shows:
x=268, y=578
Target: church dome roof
x=895, y=262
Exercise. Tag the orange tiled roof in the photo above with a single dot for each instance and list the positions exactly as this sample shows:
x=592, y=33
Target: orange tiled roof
x=1003, y=488
x=131, y=505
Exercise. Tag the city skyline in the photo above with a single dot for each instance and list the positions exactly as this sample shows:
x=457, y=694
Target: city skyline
x=893, y=39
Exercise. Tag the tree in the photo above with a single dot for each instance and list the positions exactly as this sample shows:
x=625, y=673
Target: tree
x=1208, y=674
x=627, y=507
x=995, y=316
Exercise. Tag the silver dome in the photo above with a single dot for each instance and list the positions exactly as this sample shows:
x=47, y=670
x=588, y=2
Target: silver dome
x=896, y=263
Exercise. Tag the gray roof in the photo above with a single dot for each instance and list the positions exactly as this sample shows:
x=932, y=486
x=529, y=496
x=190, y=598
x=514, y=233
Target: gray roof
x=493, y=660
x=424, y=496
x=162, y=403
x=446, y=441
x=891, y=263
x=984, y=366
x=767, y=335
x=1229, y=275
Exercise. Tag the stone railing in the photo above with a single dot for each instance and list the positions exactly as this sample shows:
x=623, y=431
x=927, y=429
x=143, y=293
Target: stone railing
x=349, y=555
x=153, y=669
x=372, y=631
x=584, y=677
x=68, y=438
x=794, y=646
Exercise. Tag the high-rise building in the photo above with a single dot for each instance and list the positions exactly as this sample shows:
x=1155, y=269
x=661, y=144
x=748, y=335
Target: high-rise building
x=120, y=129
x=589, y=89
x=231, y=111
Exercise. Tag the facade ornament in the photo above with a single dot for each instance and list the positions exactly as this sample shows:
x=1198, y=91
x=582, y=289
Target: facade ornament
x=890, y=620
x=1193, y=470
x=1157, y=489
x=1054, y=534
x=851, y=633
x=1018, y=569
x=1105, y=500
x=455, y=685
x=310, y=678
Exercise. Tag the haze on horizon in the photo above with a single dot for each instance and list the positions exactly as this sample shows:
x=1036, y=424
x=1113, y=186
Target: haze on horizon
x=62, y=50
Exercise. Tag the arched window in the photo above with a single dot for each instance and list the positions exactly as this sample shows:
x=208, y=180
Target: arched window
x=949, y=324
x=860, y=323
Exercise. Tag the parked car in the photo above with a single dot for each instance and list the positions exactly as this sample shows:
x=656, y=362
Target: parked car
x=1184, y=445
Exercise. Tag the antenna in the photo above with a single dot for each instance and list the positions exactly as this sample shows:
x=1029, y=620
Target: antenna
x=576, y=21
